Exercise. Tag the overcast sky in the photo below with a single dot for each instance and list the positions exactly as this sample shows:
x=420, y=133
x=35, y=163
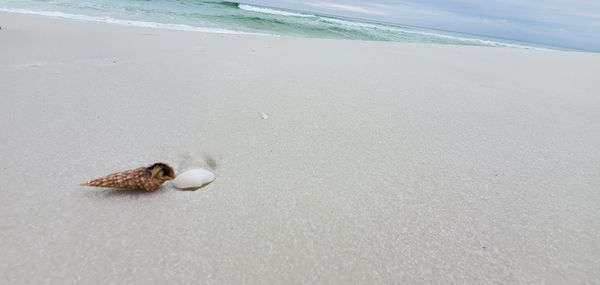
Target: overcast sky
x=564, y=23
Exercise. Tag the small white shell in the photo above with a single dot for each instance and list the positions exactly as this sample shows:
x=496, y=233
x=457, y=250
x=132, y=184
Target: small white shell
x=193, y=178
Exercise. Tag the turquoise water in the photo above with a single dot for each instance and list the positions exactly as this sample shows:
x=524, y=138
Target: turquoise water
x=232, y=17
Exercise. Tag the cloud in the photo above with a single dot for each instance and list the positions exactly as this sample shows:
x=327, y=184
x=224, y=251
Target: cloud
x=574, y=23
x=347, y=8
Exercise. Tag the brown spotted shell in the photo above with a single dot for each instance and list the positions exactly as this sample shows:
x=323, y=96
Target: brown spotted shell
x=143, y=178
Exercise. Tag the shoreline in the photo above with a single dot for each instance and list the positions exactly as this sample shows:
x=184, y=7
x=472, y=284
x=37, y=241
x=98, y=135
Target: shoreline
x=130, y=23
x=337, y=161
x=475, y=40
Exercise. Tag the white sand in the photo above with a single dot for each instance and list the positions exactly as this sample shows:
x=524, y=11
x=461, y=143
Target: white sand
x=378, y=163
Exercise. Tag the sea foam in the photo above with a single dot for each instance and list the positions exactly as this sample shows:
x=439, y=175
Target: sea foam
x=234, y=18
x=273, y=11
x=389, y=28
x=135, y=23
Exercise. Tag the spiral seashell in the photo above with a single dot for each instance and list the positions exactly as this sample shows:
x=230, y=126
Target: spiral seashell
x=143, y=178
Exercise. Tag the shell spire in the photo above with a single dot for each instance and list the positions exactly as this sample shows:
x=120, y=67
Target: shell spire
x=142, y=178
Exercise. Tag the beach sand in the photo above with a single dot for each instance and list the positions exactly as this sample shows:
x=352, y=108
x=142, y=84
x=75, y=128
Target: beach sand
x=337, y=161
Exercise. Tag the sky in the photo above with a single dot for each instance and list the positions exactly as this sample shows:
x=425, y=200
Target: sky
x=562, y=23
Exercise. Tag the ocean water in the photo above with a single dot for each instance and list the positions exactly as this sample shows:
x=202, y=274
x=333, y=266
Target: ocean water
x=233, y=17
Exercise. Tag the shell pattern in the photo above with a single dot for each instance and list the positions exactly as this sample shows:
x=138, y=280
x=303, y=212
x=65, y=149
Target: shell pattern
x=142, y=178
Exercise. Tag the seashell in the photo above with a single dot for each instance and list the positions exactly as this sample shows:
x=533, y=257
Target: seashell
x=147, y=178
x=194, y=178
